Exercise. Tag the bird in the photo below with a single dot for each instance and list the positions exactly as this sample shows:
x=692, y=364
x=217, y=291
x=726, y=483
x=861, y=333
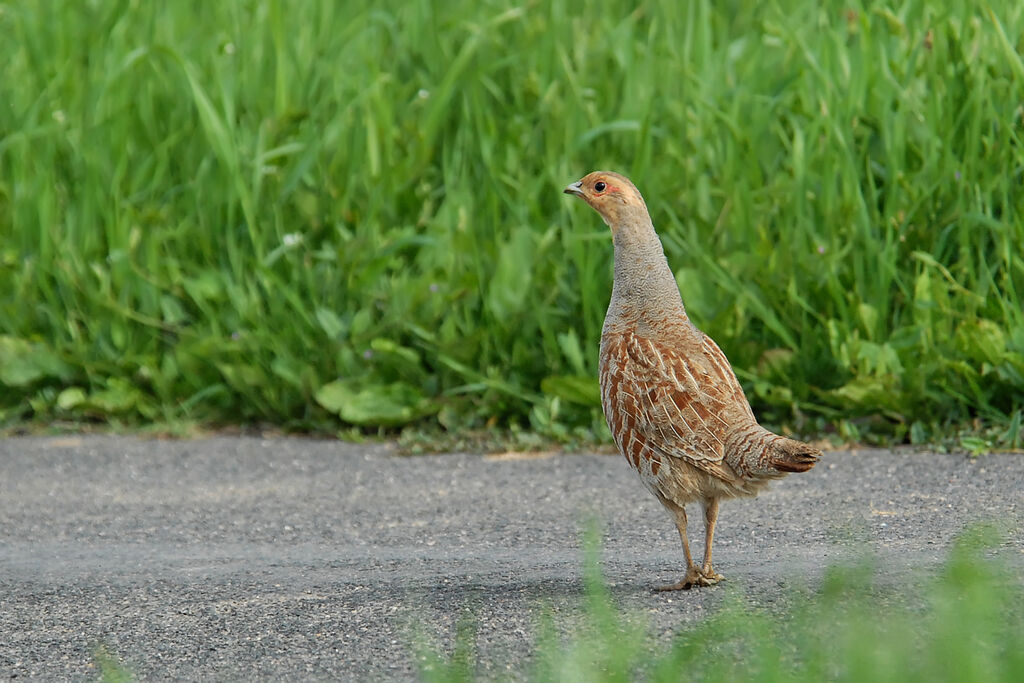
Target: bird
x=670, y=396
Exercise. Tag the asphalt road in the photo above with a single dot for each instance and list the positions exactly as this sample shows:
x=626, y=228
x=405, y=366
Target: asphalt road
x=230, y=558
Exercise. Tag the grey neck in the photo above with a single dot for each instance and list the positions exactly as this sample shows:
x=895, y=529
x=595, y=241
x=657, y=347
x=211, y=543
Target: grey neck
x=643, y=279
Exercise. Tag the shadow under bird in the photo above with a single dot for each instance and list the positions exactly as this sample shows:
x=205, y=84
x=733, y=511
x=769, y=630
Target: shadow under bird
x=670, y=396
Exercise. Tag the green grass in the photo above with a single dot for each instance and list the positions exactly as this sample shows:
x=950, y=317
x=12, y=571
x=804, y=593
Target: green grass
x=331, y=215
x=111, y=668
x=967, y=625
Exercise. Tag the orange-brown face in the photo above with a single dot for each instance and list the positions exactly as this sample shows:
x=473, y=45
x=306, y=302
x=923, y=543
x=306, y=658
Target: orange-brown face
x=608, y=193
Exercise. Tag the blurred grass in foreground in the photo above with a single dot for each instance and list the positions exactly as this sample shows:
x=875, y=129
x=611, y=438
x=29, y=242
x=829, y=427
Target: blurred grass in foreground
x=326, y=215
x=968, y=626
x=111, y=668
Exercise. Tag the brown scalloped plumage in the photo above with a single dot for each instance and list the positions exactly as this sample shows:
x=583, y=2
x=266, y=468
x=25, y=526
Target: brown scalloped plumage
x=671, y=399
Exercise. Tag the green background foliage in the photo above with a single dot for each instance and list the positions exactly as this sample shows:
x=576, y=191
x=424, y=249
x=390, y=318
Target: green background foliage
x=325, y=214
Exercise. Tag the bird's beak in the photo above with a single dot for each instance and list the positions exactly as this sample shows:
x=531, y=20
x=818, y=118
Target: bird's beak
x=575, y=188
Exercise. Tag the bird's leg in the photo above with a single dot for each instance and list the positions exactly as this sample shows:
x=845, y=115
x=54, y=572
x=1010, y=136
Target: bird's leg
x=710, y=517
x=693, y=577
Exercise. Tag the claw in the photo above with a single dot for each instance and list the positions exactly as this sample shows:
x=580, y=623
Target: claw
x=711, y=575
x=694, y=577
x=683, y=585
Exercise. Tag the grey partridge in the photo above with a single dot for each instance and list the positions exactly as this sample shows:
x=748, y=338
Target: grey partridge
x=670, y=397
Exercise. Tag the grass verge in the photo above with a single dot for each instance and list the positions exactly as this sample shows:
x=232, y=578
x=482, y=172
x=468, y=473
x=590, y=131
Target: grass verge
x=350, y=218
x=966, y=625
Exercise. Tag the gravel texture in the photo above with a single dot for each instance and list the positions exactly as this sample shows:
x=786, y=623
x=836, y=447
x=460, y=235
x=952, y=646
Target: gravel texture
x=243, y=558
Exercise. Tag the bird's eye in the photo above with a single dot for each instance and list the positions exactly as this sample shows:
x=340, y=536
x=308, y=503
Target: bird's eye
x=599, y=186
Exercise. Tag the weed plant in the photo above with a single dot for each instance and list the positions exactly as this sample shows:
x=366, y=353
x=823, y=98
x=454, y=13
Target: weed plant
x=966, y=625
x=330, y=215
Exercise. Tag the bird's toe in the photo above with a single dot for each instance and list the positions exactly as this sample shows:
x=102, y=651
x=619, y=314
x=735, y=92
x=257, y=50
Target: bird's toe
x=694, y=577
x=683, y=585
x=711, y=576
x=711, y=579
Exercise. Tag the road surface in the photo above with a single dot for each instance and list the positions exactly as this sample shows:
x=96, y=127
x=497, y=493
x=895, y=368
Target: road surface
x=241, y=558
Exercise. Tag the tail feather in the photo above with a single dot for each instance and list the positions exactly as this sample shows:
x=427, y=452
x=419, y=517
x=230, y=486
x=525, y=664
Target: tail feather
x=789, y=455
x=758, y=454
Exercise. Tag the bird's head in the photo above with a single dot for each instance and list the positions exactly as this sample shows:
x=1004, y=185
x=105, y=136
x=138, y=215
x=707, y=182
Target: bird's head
x=611, y=195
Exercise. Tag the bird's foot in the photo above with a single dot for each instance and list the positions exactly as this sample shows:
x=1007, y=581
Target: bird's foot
x=694, y=577
x=711, y=575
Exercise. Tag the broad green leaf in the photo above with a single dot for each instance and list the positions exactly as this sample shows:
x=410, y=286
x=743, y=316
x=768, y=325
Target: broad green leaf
x=205, y=287
x=23, y=362
x=976, y=445
x=288, y=370
x=924, y=301
x=360, y=322
x=982, y=341
x=692, y=286
x=242, y=376
x=775, y=362
x=120, y=396
x=868, y=318
x=401, y=361
x=510, y=284
x=569, y=342
x=330, y=323
x=388, y=405
x=576, y=388
x=71, y=398
x=871, y=394
x=172, y=310
x=918, y=433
